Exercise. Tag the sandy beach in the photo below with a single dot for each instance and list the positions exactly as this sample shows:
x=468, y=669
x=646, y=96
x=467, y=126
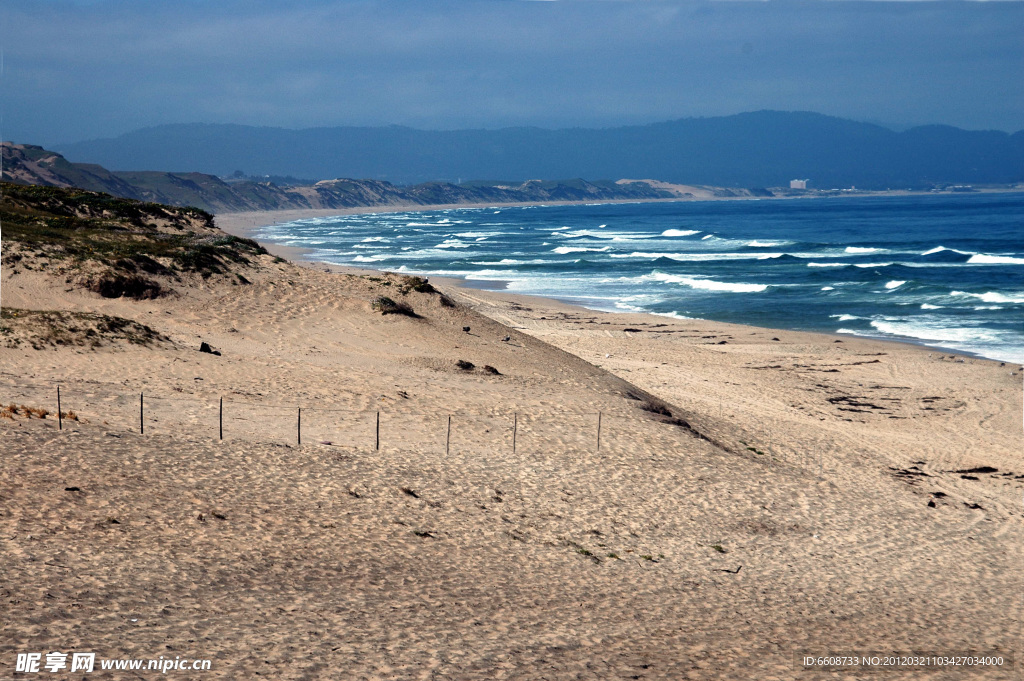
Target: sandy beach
x=498, y=487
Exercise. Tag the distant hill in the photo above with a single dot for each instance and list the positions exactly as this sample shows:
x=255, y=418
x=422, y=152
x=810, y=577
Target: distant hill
x=26, y=164
x=759, y=149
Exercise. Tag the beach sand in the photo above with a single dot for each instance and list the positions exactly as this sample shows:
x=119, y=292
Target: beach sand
x=756, y=493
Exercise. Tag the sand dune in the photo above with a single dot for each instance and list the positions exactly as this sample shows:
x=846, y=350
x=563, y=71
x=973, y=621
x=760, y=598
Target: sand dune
x=810, y=503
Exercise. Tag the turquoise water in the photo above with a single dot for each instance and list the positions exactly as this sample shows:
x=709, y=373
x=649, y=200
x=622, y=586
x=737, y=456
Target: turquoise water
x=946, y=271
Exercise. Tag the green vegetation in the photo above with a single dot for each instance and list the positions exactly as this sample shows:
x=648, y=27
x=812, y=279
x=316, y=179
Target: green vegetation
x=128, y=239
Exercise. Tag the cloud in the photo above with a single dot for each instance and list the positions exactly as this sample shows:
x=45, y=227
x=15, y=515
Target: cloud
x=85, y=69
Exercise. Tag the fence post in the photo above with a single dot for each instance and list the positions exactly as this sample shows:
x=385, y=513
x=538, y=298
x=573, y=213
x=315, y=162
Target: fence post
x=515, y=427
x=60, y=417
x=221, y=418
x=299, y=425
x=598, y=431
x=376, y=444
x=448, y=438
x=142, y=427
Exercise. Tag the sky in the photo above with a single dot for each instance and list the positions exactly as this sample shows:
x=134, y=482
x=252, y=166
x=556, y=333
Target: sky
x=85, y=69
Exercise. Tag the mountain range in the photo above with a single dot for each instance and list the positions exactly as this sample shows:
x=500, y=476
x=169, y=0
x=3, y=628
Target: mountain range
x=757, y=149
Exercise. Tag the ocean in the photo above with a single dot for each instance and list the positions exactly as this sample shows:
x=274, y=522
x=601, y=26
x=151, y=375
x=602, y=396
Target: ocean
x=941, y=270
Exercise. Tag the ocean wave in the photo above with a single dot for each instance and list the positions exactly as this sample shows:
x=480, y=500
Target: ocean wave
x=895, y=283
x=612, y=236
x=709, y=236
x=452, y=243
x=513, y=261
x=567, y=249
x=844, y=317
x=991, y=297
x=682, y=232
x=767, y=244
x=940, y=249
x=699, y=257
x=828, y=264
x=828, y=288
x=981, y=259
x=928, y=306
x=873, y=264
x=930, y=331
x=708, y=284
x=370, y=258
x=673, y=315
x=370, y=239
x=861, y=249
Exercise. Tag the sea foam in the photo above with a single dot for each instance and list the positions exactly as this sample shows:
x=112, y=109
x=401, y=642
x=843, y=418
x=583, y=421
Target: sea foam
x=981, y=259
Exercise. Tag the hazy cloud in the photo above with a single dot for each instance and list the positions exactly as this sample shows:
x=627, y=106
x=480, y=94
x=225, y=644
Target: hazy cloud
x=76, y=70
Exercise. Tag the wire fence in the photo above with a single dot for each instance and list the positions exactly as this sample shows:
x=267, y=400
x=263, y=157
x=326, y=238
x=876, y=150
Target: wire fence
x=232, y=419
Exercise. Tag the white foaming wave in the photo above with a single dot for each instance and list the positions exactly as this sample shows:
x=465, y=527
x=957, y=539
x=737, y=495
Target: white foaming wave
x=991, y=297
x=682, y=232
x=375, y=238
x=370, y=258
x=924, y=330
x=874, y=264
x=601, y=226
x=452, y=243
x=860, y=249
x=699, y=257
x=985, y=342
x=614, y=236
x=707, y=284
x=567, y=249
x=513, y=261
x=844, y=317
x=828, y=264
x=492, y=274
x=928, y=306
x=709, y=236
x=828, y=288
x=895, y=283
x=981, y=259
x=673, y=315
x=940, y=249
x=476, y=235
x=988, y=307
x=767, y=244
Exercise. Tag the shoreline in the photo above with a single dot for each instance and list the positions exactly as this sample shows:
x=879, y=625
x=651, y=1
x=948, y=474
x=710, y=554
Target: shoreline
x=507, y=482
x=246, y=223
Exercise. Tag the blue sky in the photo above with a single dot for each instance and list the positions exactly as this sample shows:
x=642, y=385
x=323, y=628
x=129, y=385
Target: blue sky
x=98, y=68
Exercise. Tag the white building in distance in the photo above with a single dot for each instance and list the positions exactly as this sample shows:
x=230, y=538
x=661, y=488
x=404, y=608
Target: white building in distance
x=798, y=184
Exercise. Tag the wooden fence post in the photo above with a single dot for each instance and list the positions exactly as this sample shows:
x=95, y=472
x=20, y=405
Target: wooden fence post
x=376, y=444
x=300, y=425
x=515, y=427
x=221, y=420
x=60, y=417
x=142, y=426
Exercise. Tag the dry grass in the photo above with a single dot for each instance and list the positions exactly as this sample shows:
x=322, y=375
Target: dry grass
x=42, y=329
